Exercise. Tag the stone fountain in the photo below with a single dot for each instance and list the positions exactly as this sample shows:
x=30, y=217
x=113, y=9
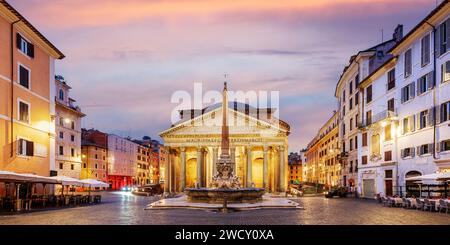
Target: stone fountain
x=226, y=187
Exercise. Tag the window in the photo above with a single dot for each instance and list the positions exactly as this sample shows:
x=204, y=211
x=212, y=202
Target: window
x=425, y=149
x=84, y=165
x=443, y=37
x=61, y=94
x=364, y=139
x=390, y=105
x=24, y=46
x=343, y=96
x=444, y=145
x=351, y=124
x=356, y=120
x=350, y=87
x=61, y=150
x=388, y=174
x=72, y=166
x=350, y=104
x=343, y=110
x=356, y=80
x=61, y=165
x=425, y=50
x=407, y=152
x=61, y=121
x=369, y=94
x=24, y=112
x=387, y=132
x=351, y=144
x=391, y=79
x=445, y=70
x=408, y=63
x=96, y=166
x=24, y=76
x=425, y=83
x=356, y=142
x=96, y=156
x=408, y=92
x=445, y=112
x=25, y=147
x=387, y=156
x=72, y=125
x=350, y=168
x=423, y=115
x=72, y=138
x=343, y=129
x=368, y=118
x=364, y=160
x=356, y=98
x=72, y=152
x=409, y=124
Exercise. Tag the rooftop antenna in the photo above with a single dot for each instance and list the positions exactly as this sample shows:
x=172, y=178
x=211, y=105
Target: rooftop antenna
x=382, y=35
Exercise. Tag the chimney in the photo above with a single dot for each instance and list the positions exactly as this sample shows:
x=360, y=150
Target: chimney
x=398, y=33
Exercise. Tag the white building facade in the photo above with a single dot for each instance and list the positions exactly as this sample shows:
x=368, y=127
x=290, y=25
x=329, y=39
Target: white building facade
x=408, y=133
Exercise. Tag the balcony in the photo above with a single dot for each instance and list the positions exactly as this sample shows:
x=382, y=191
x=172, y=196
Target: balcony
x=386, y=114
x=342, y=155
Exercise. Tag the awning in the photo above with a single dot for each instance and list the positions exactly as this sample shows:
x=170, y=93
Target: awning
x=8, y=176
x=93, y=183
x=65, y=180
x=435, y=176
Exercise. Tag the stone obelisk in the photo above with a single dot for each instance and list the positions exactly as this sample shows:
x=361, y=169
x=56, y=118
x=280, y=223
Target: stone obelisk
x=225, y=178
x=225, y=146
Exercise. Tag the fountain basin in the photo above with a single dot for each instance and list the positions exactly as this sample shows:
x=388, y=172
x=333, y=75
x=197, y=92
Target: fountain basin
x=209, y=195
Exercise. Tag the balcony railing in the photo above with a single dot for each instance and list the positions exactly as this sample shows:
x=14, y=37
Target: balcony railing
x=386, y=114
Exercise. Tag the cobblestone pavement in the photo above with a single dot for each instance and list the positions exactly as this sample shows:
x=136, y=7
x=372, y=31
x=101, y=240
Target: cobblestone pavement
x=124, y=208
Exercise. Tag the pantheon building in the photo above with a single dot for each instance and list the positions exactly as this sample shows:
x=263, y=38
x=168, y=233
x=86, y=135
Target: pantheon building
x=258, y=143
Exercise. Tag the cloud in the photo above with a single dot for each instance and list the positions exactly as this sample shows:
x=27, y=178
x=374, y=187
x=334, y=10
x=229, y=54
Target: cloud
x=124, y=60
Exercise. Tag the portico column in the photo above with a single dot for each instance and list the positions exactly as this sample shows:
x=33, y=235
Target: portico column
x=265, y=168
x=215, y=156
x=167, y=174
x=199, y=167
x=249, y=166
x=281, y=179
x=183, y=168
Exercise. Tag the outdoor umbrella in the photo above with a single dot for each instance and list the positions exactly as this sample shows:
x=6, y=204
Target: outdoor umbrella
x=93, y=183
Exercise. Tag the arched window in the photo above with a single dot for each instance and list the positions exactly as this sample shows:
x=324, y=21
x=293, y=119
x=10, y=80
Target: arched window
x=61, y=94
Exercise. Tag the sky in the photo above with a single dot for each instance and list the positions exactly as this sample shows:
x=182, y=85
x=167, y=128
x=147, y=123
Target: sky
x=125, y=59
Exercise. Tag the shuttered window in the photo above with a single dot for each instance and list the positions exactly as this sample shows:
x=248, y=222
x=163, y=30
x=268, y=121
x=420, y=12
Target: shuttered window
x=387, y=156
x=408, y=92
x=364, y=160
x=408, y=63
x=25, y=147
x=369, y=94
x=445, y=70
x=442, y=34
x=425, y=50
x=364, y=139
x=444, y=114
x=24, y=76
x=24, y=112
x=407, y=152
x=24, y=46
x=391, y=79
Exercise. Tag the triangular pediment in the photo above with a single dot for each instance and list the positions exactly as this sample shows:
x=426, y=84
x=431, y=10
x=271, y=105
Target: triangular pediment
x=239, y=123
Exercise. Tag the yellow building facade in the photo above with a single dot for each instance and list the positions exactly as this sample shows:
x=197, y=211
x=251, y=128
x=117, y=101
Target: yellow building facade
x=322, y=156
x=27, y=106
